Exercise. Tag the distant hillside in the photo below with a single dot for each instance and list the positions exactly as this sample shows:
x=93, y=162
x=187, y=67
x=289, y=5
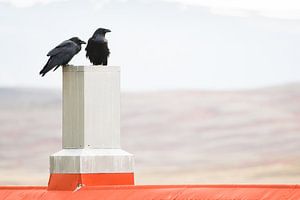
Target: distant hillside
x=177, y=137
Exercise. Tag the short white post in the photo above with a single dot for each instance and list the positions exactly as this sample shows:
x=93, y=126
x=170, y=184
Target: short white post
x=91, y=152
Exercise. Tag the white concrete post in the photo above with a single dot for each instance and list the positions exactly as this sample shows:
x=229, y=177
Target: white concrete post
x=91, y=123
x=91, y=107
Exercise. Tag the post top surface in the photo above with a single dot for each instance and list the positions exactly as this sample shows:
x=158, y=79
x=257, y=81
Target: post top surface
x=95, y=68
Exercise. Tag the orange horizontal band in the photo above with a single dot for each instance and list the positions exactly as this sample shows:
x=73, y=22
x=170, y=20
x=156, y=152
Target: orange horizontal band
x=156, y=192
x=73, y=181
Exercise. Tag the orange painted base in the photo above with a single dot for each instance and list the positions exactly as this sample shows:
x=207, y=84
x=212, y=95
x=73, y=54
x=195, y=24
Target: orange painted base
x=72, y=181
x=157, y=192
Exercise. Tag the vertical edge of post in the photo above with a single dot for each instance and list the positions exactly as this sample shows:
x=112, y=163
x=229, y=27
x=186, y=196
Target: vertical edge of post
x=73, y=109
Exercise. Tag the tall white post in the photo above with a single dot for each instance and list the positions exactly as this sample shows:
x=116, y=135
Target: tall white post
x=91, y=130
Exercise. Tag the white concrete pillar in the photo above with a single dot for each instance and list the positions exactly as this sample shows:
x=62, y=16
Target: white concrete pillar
x=91, y=123
x=91, y=107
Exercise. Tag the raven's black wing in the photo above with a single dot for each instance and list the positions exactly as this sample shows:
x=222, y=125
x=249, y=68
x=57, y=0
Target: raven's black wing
x=60, y=55
x=61, y=47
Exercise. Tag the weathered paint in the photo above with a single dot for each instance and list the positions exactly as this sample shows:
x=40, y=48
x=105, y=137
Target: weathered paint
x=180, y=192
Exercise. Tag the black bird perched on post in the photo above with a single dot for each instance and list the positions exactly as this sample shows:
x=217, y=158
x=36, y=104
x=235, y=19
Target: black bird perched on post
x=62, y=54
x=96, y=49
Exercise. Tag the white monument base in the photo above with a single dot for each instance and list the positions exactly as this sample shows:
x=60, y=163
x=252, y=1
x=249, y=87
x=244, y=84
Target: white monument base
x=86, y=161
x=92, y=153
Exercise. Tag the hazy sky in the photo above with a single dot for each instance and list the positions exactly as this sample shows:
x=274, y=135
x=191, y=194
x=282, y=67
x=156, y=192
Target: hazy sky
x=159, y=44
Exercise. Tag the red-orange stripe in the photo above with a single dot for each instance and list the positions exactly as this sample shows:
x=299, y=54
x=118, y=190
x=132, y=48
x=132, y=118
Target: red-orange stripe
x=72, y=181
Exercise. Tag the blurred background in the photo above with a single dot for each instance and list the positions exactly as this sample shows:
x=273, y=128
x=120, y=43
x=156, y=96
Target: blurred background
x=210, y=89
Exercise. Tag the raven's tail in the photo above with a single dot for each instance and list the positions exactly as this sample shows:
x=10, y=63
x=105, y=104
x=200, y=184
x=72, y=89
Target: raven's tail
x=46, y=68
x=42, y=73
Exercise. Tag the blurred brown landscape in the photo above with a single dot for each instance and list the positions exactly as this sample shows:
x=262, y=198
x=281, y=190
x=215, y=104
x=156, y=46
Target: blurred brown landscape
x=177, y=137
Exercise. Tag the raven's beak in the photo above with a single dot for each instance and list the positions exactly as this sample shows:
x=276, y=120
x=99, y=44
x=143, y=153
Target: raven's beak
x=107, y=30
x=82, y=42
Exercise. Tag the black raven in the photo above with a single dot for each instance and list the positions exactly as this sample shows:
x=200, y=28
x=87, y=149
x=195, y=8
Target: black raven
x=96, y=49
x=62, y=54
